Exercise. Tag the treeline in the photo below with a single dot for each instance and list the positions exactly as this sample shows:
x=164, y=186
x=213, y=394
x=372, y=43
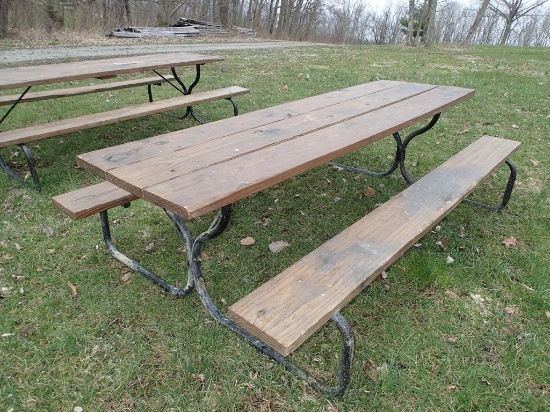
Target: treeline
x=511, y=22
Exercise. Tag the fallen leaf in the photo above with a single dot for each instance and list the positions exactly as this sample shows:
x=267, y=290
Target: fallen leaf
x=462, y=232
x=451, y=387
x=72, y=287
x=278, y=246
x=48, y=231
x=548, y=315
x=509, y=241
x=450, y=260
x=7, y=335
x=451, y=294
x=535, y=162
x=370, y=192
x=248, y=241
x=126, y=277
x=515, y=126
x=300, y=76
x=477, y=298
x=451, y=339
x=203, y=257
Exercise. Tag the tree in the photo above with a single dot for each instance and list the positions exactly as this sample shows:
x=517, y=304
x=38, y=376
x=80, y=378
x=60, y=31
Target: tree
x=511, y=11
x=429, y=38
x=4, y=8
x=410, y=24
x=477, y=21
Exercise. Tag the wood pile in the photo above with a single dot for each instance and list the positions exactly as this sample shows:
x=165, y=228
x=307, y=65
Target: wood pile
x=182, y=28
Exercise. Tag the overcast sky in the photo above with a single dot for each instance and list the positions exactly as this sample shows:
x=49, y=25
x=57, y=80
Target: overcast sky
x=380, y=4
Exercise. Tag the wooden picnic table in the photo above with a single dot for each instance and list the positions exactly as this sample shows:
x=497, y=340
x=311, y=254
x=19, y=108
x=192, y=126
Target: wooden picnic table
x=24, y=78
x=192, y=172
x=195, y=171
x=17, y=77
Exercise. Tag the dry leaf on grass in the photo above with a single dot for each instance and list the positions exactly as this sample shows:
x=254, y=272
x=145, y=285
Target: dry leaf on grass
x=72, y=288
x=370, y=192
x=248, y=241
x=509, y=241
x=548, y=315
x=278, y=246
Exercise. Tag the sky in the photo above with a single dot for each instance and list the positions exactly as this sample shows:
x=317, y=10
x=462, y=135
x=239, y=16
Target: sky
x=380, y=4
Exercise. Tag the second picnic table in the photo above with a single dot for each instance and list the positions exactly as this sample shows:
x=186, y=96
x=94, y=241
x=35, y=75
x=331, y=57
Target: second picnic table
x=25, y=78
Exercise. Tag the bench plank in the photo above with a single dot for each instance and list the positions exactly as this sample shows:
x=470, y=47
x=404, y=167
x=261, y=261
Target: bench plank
x=60, y=127
x=286, y=310
x=90, y=200
x=76, y=91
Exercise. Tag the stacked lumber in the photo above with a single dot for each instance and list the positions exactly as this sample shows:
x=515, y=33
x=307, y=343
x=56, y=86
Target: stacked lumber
x=182, y=28
x=140, y=32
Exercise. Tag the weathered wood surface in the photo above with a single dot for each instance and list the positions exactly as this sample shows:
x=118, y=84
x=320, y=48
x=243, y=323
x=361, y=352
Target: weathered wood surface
x=192, y=172
x=12, y=78
x=76, y=91
x=60, y=127
x=286, y=310
x=92, y=199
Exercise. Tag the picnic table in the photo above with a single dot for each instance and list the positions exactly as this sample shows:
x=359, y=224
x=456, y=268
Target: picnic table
x=24, y=78
x=192, y=172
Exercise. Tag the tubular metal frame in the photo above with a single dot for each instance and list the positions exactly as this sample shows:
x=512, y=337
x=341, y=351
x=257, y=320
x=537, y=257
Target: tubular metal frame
x=195, y=279
x=31, y=163
x=399, y=161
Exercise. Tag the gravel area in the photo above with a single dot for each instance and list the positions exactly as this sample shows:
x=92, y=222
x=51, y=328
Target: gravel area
x=19, y=57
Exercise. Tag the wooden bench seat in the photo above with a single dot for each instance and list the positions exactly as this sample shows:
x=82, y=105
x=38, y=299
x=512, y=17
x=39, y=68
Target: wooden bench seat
x=289, y=308
x=60, y=127
x=76, y=91
x=93, y=199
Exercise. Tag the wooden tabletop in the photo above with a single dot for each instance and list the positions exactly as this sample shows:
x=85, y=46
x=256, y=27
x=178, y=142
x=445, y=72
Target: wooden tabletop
x=200, y=169
x=16, y=77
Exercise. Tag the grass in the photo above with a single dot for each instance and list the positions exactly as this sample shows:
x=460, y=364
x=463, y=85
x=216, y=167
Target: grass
x=471, y=335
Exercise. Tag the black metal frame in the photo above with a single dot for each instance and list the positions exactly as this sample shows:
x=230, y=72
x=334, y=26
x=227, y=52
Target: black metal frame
x=399, y=161
x=195, y=279
x=31, y=163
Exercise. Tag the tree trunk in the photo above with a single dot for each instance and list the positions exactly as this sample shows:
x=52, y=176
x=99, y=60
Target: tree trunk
x=4, y=7
x=128, y=14
x=477, y=22
x=429, y=37
x=410, y=28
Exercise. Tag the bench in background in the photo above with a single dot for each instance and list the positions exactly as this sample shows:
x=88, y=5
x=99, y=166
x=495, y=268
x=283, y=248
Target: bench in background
x=29, y=134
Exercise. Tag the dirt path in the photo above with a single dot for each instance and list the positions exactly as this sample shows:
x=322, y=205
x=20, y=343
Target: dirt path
x=18, y=57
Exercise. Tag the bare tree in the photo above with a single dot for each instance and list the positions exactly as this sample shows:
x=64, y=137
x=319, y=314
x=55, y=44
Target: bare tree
x=477, y=21
x=429, y=37
x=511, y=11
x=4, y=8
x=410, y=26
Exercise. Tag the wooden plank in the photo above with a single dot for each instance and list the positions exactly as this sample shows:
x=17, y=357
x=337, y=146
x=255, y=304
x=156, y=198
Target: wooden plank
x=168, y=165
x=12, y=78
x=76, y=91
x=90, y=200
x=286, y=310
x=102, y=160
x=212, y=187
x=65, y=126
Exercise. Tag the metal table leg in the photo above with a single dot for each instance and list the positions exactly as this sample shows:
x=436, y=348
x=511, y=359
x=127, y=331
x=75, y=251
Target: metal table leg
x=195, y=273
x=400, y=154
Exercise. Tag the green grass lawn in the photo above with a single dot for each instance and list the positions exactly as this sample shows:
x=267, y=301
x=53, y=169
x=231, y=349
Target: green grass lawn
x=471, y=335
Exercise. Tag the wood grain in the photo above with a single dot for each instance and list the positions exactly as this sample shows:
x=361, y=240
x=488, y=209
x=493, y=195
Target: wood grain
x=286, y=310
x=90, y=200
x=77, y=91
x=61, y=127
x=12, y=78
